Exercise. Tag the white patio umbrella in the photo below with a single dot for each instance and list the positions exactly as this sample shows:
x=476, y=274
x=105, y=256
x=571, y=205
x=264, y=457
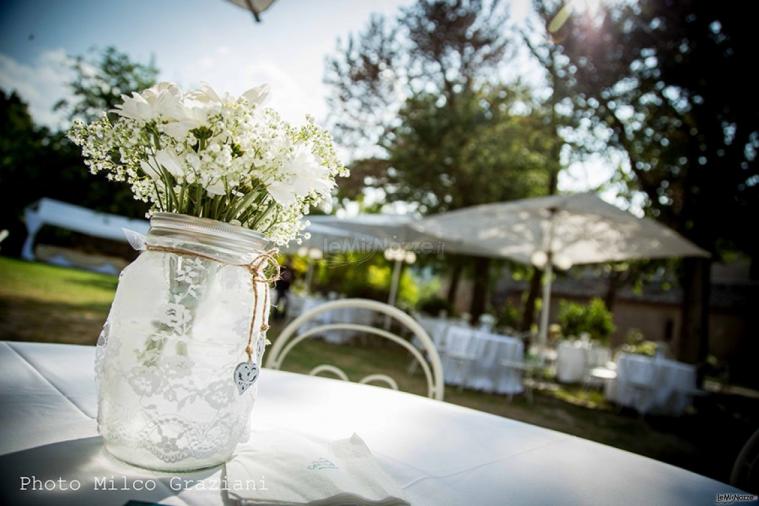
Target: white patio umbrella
x=255, y=7
x=397, y=236
x=388, y=233
x=561, y=230
x=327, y=239
x=393, y=231
x=387, y=230
x=323, y=239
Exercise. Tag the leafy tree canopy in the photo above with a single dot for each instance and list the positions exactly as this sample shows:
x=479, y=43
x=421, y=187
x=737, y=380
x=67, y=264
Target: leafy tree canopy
x=100, y=80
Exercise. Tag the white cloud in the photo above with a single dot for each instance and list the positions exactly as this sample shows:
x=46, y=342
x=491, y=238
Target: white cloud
x=231, y=70
x=40, y=83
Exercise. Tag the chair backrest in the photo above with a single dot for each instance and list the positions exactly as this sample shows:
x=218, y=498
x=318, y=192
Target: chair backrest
x=746, y=468
x=290, y=337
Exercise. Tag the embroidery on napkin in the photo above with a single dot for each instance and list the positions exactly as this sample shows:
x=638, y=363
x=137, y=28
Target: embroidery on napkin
x=322, y=463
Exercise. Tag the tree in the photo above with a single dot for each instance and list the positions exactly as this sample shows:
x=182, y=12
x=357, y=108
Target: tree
x=480, y=150
x=20, y=145
x=100, y=80
x=36, y=163
x=593, y=318
x=438, y=47
x=423, y=91
x=669, y=84
x=536, y=37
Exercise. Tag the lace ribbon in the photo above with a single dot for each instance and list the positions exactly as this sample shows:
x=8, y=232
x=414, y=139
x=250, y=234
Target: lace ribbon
x=256, y=269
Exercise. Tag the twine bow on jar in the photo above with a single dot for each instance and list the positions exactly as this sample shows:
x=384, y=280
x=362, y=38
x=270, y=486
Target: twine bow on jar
x=256, y=269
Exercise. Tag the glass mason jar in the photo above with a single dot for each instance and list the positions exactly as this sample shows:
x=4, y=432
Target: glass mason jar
x=178, y=327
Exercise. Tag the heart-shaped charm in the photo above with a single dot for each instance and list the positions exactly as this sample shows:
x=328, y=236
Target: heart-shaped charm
x=246, y=373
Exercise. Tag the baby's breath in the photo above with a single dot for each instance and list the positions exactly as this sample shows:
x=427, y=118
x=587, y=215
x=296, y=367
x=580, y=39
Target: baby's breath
x=224, y=158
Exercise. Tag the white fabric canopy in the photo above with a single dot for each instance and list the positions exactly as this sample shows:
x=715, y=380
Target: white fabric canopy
x=379, y=232
x=79, y=219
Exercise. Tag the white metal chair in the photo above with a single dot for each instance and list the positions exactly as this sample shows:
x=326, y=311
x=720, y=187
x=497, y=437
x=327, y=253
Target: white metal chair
x=526, y=370
x=292, y=335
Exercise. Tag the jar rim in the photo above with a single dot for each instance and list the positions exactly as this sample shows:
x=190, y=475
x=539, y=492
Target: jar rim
x=175, y=222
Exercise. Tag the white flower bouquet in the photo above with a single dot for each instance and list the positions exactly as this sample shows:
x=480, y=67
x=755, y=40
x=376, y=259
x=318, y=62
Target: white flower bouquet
x=214, y=156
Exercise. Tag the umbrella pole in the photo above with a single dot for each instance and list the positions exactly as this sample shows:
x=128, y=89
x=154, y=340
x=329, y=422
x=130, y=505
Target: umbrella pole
x=309, y=275
x=546, y=305
x=394, y=283
x=394, y=288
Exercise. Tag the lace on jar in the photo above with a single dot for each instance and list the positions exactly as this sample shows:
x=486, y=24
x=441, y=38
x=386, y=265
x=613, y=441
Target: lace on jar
x=257, y=271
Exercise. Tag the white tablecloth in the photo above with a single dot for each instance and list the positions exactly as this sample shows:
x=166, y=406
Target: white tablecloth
x=652, y=384
x=301, y=304
x=439, y=453
x=435, y=327
x=576, y=358
x=474, y=359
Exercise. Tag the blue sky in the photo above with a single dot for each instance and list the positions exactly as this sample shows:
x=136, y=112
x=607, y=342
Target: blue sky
x=192, y=41
x=196, y=41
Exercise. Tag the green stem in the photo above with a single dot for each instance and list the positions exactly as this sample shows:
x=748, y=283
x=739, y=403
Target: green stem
x=244, y=202
x=171, y=197
x=217, y=205
x=158, y=195
x=198, y=198
x=248, y=213
x=181, y=206
x=263, y=215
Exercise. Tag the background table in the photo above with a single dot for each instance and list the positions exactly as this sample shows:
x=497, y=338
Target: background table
x=302, y=303
x=575, y=359
x=441, y=454
x=475, y=359
x=652, y=384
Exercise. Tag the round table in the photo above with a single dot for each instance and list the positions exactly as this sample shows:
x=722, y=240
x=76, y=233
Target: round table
x=477, y=360
x=302, y=304
x=438, y=453
x=652, y=384
x=575, y=359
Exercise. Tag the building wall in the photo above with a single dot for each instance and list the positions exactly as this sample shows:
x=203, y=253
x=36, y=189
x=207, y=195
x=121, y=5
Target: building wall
x=728, y=330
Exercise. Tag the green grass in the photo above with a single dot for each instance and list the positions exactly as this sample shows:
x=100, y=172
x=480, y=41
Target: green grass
x=48, y=283
x=52, y=304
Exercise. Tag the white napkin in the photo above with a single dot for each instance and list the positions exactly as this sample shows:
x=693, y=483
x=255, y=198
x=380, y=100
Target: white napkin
x=290, y=468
